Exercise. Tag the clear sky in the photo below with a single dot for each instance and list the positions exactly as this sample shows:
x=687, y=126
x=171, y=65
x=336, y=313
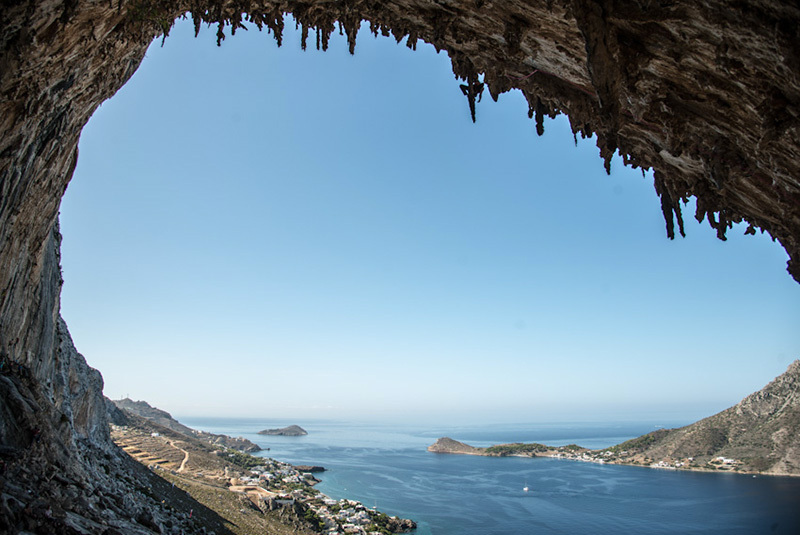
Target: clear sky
x=262, y=231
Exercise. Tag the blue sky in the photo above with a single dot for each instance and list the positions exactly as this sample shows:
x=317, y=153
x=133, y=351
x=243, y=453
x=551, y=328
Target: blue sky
x=262, y=231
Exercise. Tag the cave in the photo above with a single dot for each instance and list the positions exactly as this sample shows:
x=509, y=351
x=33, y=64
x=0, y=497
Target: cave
x=706, y=94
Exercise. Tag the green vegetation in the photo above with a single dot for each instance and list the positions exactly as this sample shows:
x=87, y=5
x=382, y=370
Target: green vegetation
x=380, y=523
x=379, y=529
x=305, y=487
x=517, y=448
x=245, y=460
x=313, y=518
x=335, y=508
x=760, y=464
x=639, y=443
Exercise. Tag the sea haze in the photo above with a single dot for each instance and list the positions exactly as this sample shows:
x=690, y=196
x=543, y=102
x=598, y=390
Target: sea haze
x=389, y=466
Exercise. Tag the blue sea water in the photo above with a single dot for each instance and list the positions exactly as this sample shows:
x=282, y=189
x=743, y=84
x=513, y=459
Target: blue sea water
x=389, y=466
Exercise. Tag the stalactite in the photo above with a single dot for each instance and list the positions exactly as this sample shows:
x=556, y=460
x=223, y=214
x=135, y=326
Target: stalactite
x=548, y=92
x=472, y=89
x=303, y=36
x=669, y=208
x=351, y=25
x=220, y=33
x=540, y=111
x=412, y=41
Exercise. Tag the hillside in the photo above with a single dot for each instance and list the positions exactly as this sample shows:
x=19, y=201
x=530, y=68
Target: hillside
x=761, y=433
x=162, y=418
x=234, y=492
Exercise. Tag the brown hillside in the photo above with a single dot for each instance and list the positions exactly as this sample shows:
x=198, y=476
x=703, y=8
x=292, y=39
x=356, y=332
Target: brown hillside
x=761, y=432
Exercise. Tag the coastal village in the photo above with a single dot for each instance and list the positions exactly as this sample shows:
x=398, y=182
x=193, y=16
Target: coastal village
x=629, y=453
x=277, y=484
x=253, y=494
x=626, y=457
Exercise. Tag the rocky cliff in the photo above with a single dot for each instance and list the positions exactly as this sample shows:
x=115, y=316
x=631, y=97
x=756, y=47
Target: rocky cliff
x=59, y=470
x=705, y=92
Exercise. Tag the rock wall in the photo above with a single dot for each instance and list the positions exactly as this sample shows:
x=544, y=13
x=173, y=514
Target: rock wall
x=706, y=92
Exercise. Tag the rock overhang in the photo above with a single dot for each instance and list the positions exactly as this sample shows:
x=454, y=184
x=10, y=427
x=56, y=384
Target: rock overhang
x=704, y=93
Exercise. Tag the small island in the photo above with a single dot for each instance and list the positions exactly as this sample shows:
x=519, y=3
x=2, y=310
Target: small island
x=291, y=431
x=517, y=449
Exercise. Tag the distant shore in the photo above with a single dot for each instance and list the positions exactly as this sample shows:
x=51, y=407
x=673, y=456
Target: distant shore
x=612, y=455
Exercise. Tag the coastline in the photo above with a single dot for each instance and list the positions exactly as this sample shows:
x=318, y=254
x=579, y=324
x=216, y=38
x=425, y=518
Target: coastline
x=259, y=494
x=387, y=466
x=573, y=452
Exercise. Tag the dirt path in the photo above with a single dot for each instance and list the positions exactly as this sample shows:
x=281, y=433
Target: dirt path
x=185, y=456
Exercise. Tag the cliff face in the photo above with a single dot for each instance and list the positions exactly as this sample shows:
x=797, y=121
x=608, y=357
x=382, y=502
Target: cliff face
x=705, y=92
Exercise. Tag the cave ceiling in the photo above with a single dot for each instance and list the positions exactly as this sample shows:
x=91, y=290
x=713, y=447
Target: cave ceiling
x=706, y=93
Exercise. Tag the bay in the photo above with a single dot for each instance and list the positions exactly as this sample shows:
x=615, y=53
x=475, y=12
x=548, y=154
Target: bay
x=388, y=466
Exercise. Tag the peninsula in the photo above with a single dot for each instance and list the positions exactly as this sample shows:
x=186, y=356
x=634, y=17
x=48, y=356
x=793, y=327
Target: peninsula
x=758, y=435
x=291, y=431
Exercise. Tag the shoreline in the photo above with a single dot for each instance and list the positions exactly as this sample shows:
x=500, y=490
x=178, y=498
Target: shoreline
x=446, y=445
x=268, y=495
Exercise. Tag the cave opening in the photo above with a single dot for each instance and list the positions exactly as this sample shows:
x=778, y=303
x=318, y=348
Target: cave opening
x=362, y=181
x=704, y=93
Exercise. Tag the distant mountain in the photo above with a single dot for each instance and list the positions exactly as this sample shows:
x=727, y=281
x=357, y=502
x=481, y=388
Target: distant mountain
x=291, y=431
x=761, y=433
x=120, y=409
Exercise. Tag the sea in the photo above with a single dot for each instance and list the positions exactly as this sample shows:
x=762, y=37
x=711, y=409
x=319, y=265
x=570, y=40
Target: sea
x=388, y=466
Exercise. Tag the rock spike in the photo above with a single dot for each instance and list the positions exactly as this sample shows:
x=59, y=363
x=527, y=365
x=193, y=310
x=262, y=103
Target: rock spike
x=669, y=208
x=540, y=111
x=220, y=33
